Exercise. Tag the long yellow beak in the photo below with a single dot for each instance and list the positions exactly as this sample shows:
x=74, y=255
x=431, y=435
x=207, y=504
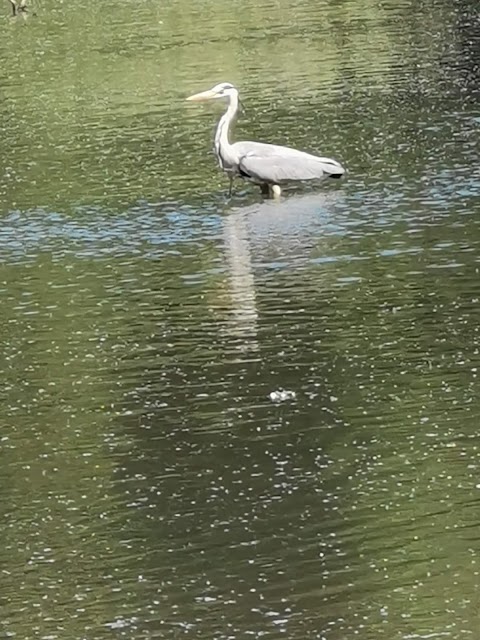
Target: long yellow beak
x=202, y=97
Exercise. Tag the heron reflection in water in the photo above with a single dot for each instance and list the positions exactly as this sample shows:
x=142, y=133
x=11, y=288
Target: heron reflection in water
x=286, y=234
x=268, y=165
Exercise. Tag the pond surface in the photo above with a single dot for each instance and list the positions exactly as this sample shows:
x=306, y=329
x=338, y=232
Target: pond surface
x=239, y=418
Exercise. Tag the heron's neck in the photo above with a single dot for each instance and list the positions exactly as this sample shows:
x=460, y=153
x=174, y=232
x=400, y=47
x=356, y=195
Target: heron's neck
x=223, y=128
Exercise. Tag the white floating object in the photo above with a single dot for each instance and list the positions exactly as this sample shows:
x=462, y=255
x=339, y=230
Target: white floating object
x=281, y=395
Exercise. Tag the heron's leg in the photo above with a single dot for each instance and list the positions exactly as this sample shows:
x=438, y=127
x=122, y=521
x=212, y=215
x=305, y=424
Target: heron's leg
x=230, y=190
x=265, y=188
x=271, y=190
x=14, y=7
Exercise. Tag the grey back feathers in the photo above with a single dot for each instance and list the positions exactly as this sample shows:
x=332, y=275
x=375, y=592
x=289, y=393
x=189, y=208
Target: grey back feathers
x=268, y=163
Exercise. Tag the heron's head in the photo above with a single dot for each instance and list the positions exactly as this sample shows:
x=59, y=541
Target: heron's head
x=222, y=90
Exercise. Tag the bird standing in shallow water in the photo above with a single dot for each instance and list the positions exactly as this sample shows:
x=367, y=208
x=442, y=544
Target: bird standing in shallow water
x=267, y=165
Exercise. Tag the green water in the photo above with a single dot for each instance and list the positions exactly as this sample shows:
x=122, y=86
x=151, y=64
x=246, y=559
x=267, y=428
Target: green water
x=150, y=484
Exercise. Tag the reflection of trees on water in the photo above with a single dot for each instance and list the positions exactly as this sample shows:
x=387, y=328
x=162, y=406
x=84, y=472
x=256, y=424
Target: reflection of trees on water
x=468, y=25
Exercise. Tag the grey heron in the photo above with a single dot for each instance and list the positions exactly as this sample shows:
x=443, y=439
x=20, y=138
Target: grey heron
x=268, y=165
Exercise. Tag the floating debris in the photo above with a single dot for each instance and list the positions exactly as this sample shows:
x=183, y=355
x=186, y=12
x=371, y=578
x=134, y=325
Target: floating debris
x=281, y=395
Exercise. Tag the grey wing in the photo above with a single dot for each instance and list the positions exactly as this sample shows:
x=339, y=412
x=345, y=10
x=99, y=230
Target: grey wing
x=272, y=163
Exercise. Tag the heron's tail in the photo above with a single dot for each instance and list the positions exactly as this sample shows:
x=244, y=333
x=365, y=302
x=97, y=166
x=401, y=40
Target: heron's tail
x=332, y=168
